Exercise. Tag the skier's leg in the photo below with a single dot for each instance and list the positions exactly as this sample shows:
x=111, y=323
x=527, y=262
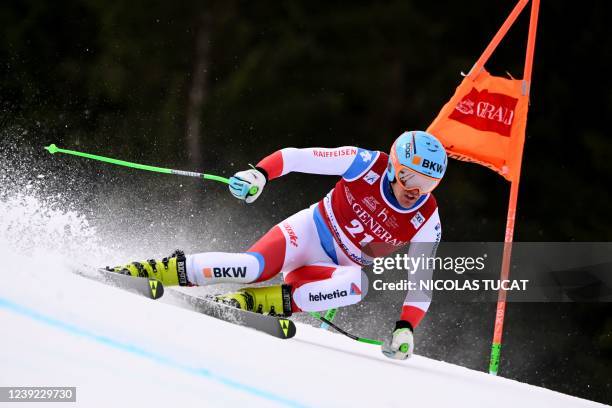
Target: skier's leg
x=199, y=269
x=278, y=249
x=216, y=267
x=325, y=286
x=286, y=246
x=315, y=282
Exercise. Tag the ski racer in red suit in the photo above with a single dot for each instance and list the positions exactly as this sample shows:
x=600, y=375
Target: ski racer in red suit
x=379, y=199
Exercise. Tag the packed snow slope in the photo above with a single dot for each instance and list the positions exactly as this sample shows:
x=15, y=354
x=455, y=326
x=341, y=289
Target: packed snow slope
x=118, y=349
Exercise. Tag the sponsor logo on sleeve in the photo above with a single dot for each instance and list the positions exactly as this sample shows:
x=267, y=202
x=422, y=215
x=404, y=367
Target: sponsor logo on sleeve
x=355, y=289
x=334, y=152
x=366, y=156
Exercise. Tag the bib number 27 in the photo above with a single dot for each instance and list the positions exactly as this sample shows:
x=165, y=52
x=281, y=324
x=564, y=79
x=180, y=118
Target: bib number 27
x=356, y=229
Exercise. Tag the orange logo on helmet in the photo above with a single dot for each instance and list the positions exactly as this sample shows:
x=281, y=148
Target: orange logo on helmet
x=416, y=160
x=207, y=272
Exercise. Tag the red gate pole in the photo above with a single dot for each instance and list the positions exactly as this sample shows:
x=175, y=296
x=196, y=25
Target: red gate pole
x=514, y=186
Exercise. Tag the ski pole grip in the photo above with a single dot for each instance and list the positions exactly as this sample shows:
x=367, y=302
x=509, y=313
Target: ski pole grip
x=404, y=348
x=253, y=190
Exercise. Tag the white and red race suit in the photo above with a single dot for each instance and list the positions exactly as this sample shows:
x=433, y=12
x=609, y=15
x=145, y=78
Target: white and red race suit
x=320, y=250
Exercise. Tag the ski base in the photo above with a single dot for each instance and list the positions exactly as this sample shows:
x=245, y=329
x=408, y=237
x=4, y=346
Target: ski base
x=278, y=327
x=147, y=287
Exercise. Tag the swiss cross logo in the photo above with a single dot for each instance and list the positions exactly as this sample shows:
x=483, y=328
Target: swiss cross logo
x=491, y=112
x=366, y=156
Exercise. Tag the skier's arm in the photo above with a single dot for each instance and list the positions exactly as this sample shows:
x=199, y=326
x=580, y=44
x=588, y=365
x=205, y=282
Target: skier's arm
x=346, y=161
x=423, y=245
x=314, y=160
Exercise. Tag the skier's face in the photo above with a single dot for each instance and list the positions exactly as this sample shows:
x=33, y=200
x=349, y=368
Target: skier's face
x=405, y=198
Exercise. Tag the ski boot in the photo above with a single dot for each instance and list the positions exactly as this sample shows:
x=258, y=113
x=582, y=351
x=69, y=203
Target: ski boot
x=270, y=300
x=170, y=271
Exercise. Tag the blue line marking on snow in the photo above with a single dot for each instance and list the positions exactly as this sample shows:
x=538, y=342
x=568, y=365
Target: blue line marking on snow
x=150, y=355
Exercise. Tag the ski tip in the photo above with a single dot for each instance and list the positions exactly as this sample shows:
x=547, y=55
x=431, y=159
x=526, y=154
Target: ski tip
x=288, y=328
x=156, y=288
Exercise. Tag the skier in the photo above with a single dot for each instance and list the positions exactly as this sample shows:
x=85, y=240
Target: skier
x=379, y=199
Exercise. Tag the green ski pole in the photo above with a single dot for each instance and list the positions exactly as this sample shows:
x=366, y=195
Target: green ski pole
x=329, y=315
x=54, y=149
x=318, y=316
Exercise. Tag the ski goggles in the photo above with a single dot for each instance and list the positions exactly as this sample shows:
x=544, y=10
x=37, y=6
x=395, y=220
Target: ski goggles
x=410, y=179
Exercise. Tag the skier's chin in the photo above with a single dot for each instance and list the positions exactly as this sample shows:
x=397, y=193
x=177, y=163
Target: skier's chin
x=407, y=200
